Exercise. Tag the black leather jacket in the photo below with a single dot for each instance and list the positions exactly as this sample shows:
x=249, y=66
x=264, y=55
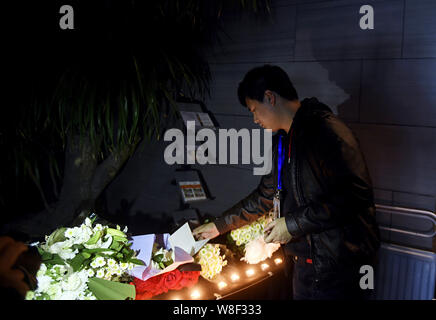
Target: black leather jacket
x=332, y=188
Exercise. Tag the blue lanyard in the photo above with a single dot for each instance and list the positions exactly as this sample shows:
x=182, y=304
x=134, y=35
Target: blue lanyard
x=280, y=161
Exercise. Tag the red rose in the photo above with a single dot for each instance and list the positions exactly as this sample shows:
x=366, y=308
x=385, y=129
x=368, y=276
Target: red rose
x=189, y=279
x=171, y=279
x=174, y=280
x=151, y=285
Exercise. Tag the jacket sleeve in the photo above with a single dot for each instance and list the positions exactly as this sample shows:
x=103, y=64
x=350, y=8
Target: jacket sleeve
x=256, y=204
x=342, y=173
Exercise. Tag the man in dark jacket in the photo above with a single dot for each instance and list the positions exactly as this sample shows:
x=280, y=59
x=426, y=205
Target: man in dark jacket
x=321, y=183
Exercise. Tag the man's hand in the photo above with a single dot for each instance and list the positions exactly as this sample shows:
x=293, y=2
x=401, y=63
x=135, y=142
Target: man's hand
x=277, y=232
x=10, y=250
x=206, y=231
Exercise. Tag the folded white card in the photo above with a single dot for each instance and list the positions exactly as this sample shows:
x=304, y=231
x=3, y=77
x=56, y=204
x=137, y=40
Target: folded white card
x=184, y=239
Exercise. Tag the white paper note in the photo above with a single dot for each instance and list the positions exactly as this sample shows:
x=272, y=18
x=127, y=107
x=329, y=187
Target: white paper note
x=184, y=239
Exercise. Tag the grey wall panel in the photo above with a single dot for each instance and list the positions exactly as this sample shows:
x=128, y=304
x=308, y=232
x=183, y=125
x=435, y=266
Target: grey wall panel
x=384, y=197
x=330, y=30
x=248, y=37
x=224, y=86
x=335, y=83
x=415, y=201
x=420, y=29
x=399, y=92
x=400, y=158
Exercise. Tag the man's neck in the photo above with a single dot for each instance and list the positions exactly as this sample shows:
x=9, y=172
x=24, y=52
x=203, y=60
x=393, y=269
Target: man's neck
x=290, y=109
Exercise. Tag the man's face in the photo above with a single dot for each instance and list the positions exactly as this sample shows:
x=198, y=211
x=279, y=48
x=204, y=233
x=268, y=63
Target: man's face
x=264, y=114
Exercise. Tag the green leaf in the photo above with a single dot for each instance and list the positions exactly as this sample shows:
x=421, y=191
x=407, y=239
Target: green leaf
x=168, y=262
x=110, y=290
x=86, y=255
x=57, y=236
x=96, y=250
x=55, y=260
x=94, y=238
x=158, y=258
x=77, y=262
x=136, y=261
x=45, y=256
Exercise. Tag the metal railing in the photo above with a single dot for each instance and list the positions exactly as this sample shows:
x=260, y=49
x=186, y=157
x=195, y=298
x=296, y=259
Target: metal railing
x=406, y=212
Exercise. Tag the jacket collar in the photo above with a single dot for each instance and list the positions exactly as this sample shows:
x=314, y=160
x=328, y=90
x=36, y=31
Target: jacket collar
x=309, y=106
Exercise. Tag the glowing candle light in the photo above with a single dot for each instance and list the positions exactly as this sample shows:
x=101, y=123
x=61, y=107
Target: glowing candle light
x=278, y=261
x=264, y=266
x=195, y=294
x=235, y=277
x=222, y=285
x=249, y=272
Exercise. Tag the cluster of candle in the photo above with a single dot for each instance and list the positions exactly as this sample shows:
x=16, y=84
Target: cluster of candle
x=234, y=277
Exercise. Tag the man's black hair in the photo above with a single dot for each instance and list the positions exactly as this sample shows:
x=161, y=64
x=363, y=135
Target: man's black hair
x=263, y=78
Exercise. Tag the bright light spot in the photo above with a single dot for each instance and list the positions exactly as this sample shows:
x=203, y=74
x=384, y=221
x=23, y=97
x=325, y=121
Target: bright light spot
x=235, y=277
x=249, y=272
x=195, y=294
x=278, y=261
x=264, y=266
x=176, y=298
x=222, y=285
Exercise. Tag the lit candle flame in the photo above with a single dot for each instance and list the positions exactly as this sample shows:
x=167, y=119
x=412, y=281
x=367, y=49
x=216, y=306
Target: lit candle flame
x=278, y=261
x=195, y=294
x=264, y=266
x=222, y=285
x=235, y=277
x=249, y=272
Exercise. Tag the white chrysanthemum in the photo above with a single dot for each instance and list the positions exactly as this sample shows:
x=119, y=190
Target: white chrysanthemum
x=111, y=263
x=210, y=260
x=69, y=233
x=94, y=264
x=100, y=261
x=91, y=273
x=124, y=266
x=100, y=273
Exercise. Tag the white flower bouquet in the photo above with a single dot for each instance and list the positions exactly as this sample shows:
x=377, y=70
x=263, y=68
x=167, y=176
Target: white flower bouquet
x=249, y=241
x=85, y=263
x=211, y=261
